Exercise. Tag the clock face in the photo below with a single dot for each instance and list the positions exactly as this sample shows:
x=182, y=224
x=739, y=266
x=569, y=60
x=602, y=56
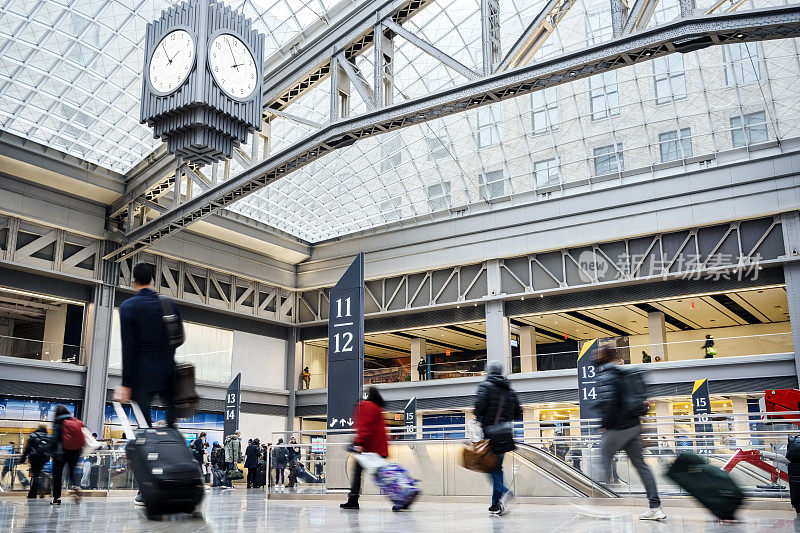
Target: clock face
x=233, y=66
x=171, y=61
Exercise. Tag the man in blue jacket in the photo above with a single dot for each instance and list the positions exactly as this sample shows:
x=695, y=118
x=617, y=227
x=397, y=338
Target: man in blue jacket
x=148, y=360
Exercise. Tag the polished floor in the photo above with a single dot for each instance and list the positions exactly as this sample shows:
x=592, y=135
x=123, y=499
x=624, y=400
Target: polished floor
x=242, y=510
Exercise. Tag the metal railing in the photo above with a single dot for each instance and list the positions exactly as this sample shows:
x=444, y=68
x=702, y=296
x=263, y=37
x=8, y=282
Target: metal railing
x=56, y=352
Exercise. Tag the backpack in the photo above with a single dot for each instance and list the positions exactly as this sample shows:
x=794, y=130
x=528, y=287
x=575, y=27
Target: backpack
x=38, y=445
x=219, y=455
x=632, y=395
x=72, y=434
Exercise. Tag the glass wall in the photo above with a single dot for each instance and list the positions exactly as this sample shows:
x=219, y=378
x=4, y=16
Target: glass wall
x=208, y=348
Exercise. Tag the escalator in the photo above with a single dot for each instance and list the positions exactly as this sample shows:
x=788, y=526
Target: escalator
x=556, y=469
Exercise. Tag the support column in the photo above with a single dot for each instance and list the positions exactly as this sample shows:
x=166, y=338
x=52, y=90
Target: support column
x=527, y=349
x=498, y=335
x=666, y=432
x=490, y=34
x=340, y=91
x=383, y=76
x=790, y=224
x=657, y=330
x=619, y=12
x=418, y=352
x=55, y=321
x=98, y=334
x=741, y=426
x=530, y=416
x=294, y=353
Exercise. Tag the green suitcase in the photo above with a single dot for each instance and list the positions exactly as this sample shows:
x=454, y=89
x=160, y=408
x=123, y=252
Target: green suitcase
x=711, y=486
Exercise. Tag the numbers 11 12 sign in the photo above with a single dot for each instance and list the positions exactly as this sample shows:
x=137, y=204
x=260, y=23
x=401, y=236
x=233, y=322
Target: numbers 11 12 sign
x=346, y=346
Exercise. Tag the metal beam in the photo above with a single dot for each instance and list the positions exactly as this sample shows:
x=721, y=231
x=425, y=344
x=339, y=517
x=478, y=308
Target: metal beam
x=535, y=35
x=681, y=35
x=294, y=118
x=639, y=16
x=432, y=51
x=362, y=87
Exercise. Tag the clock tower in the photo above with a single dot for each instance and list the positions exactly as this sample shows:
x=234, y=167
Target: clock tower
x=203, y=77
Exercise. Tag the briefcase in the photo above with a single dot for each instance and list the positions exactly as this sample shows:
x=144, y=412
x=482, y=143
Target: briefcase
x=184, y=395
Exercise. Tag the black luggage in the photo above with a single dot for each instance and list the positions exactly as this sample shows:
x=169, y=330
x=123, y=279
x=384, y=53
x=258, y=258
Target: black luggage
x=794, y=485
x=261, y=475
x=170, y=479
x=711, y=486
x=44, y=484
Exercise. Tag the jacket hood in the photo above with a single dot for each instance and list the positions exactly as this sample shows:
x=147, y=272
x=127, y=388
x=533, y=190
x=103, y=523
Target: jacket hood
x=230, y=438
x=62, y=418
x=500, y=381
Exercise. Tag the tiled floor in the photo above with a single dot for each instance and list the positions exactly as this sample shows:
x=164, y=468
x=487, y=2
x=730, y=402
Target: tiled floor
x=242, y=510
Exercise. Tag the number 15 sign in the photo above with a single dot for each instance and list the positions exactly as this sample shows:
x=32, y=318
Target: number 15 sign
x=346, y=346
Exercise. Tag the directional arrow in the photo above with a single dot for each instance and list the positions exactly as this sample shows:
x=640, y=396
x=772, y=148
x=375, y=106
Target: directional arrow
x=343, y=421
x=350, y=421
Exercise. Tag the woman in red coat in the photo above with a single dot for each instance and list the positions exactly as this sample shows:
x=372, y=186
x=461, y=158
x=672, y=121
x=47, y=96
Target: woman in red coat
x=370, y=437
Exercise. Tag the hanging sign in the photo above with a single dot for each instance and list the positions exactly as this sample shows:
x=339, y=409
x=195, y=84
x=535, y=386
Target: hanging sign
x=232, y=403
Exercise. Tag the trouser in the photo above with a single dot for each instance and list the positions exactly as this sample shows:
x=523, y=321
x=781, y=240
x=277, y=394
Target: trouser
x=70, y=459
x=225, y=481
x=498, y=488
x=145, y=399
x=280, y=478
x=36, y=470
x=355, y=484
x=630, y=440
x=251, y=477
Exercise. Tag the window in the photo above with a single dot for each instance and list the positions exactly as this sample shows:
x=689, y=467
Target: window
x=544, y=105
x=604, y=95
x=488, y=131
x=670, y=78
x=439, y=196
x=741, y=63
x=598, y=26
x=608, y=160
x=675, y=145
x=390, y=209
x=391, y=153
x=546, y=173
x=492, y=184
x=438, y=147
x=749, y=129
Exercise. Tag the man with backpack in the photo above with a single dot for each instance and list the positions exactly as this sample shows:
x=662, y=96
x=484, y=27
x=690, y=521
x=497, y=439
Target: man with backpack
x=36, y=453
x=622, y=401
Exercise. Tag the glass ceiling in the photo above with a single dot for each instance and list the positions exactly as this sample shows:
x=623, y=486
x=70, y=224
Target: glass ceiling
x=70, y=70
x=666, y=112
x=70, y=77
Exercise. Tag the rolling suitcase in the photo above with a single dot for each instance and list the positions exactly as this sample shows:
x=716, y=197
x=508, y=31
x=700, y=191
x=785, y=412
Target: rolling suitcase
x=170, y=479
x=393, y=480
x=44, y=484
x=711, y=486
x=261, y=475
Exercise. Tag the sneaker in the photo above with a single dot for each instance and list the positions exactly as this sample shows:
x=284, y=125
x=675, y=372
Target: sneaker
x=496, y=509
x=653, y=514
x=138, y=501
x=56, y=502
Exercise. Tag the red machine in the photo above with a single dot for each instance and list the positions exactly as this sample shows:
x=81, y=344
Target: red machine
x=782, y=402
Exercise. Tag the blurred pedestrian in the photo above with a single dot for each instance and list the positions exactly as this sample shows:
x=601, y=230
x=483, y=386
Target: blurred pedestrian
x=370, y=438
x=36, y=453
x=65, y=448
x=495, y=403
x=622, y=429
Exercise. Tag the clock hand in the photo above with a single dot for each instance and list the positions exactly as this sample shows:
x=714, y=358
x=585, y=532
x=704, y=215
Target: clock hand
x=235, y=65
x=163, y=47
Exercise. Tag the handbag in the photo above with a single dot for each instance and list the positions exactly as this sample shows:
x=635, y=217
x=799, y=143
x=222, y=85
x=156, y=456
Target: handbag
x=90, y=444
x=184, y=395
x=235, y=473
x=500, y=434
x=478, y=456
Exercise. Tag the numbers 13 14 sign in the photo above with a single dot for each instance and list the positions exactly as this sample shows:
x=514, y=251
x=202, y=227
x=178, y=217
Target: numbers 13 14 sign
x=587, y=380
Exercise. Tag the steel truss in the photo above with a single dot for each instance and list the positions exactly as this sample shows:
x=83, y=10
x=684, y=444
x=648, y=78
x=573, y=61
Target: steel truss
x=722, y=251
x=684, y=35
